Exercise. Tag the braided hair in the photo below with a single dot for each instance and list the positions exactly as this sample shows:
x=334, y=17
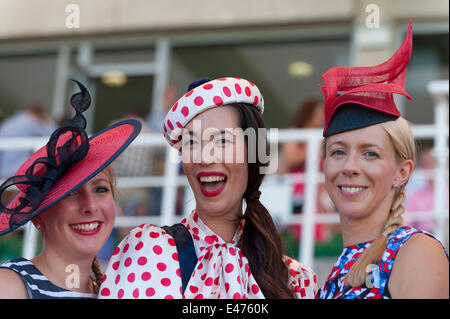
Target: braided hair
x=260, y=241
x=402, y=139
x=98, y=274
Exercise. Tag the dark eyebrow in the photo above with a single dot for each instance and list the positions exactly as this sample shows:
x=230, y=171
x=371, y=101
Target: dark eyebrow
x=222, y=132
x=215, y=133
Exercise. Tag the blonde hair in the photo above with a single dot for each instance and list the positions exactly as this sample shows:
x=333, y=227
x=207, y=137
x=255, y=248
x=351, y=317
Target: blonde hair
x=402, y=139
x=95, y=266
x=109, y=171
x=96, y=269
x=98, y=274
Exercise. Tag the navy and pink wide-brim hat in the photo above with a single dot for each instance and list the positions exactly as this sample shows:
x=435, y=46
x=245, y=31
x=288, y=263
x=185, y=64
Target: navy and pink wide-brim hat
x=65, y=163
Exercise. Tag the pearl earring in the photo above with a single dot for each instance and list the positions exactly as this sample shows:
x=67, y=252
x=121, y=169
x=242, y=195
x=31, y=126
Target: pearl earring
x=395, y=185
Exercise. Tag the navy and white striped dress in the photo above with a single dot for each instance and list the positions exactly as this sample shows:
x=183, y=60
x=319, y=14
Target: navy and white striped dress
x=38, y=286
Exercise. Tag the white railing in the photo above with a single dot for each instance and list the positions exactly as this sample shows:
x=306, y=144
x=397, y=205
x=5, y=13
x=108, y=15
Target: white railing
x=170, y=181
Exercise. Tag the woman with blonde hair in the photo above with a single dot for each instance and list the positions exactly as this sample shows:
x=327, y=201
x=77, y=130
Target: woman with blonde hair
x=66, y=189
x=368, y=157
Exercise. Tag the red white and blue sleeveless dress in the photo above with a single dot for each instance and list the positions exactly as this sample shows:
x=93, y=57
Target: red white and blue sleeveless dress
x=376, y=286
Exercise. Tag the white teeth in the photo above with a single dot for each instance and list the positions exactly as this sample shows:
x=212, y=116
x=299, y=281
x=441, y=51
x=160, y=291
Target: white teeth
x=209, y=179
x=86, y=227
x=352, y=189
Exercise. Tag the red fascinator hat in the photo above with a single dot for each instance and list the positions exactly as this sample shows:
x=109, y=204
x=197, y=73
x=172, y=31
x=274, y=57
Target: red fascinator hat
x=64, y=164
x=356, y=97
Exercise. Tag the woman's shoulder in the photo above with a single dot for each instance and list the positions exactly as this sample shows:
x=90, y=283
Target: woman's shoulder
x=412, y=239
x=402, y=233
x=147, y=234
x=144, y=264
x=16, y=267
x=423, y=258
x=302, y=278
x=420, y=244
x=297, y=267
x=144, y=243
x=11, y=282
x=24, y=280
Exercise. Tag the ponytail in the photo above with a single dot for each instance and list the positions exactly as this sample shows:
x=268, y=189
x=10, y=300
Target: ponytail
x=260, y=241
x=263, y=248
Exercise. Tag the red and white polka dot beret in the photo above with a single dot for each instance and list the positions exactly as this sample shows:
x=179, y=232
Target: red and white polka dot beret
x=214, y=93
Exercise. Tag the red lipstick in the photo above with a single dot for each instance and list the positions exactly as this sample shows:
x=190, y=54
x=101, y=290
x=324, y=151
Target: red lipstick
x=87, y=228
x=212, y=192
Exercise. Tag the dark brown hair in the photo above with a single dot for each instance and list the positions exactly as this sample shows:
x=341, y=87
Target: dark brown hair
x=260, y=241
x=304, y=113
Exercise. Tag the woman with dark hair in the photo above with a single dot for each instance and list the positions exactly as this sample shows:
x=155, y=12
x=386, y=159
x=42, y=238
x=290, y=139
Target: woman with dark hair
x=220, y=250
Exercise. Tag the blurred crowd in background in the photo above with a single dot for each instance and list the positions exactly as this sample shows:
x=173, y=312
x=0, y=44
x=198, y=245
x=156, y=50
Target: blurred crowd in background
x=138, y=57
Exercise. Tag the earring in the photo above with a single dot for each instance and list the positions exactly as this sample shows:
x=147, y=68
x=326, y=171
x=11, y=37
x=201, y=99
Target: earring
x=395, y=185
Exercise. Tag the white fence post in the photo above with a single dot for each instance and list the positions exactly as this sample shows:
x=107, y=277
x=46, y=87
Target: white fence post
x=30, y=238
x=439, y=92
x=308, y=225
x=170, y=186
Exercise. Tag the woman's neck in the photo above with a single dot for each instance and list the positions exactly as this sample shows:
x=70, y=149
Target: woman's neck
x=355, y=233
x=65, y=272
x=224, y=225
x=360, y=230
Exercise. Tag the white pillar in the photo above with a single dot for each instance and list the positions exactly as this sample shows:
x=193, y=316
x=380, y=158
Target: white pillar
x=309, y=209
x=439, y=92
x=170, y=186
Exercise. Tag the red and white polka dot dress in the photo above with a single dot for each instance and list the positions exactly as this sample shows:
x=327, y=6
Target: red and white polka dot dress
x=145, y=265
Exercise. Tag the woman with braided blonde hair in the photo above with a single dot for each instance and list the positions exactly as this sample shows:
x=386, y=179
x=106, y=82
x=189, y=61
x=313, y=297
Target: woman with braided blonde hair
x=368, y=156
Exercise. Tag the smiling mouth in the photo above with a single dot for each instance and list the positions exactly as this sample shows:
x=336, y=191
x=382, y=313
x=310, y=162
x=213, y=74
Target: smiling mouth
x=89, y=228
x=352, y=190
x=212, y=184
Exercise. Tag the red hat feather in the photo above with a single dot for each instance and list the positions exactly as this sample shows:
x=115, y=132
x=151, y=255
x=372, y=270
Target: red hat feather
x=372, y=86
